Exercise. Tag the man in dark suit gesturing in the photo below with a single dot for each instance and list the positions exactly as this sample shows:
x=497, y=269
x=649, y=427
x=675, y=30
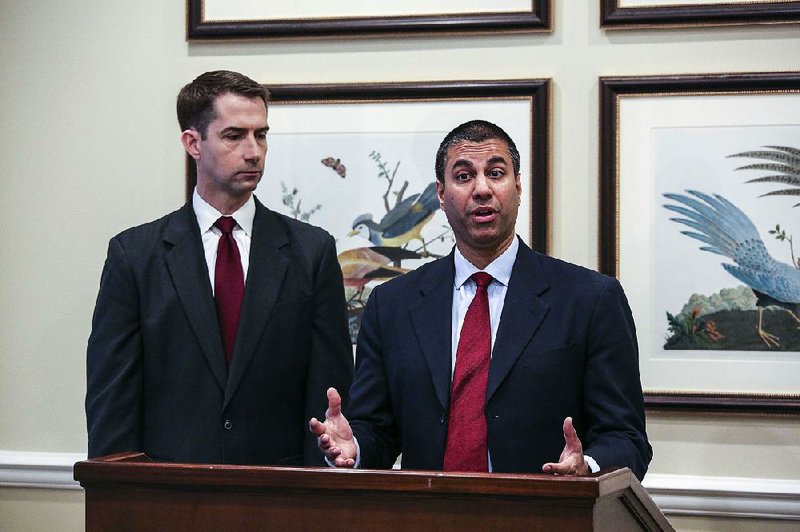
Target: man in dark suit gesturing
x=494, y=358
x=218, y=327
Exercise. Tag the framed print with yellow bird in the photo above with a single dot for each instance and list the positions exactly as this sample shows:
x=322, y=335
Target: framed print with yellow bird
x=358, y=160
x=699, y=186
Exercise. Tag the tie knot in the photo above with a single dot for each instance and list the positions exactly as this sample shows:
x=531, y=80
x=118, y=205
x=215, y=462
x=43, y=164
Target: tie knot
x=482, y=279
x=225, y=224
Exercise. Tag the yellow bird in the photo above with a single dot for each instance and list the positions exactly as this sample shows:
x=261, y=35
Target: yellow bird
x=401, y=224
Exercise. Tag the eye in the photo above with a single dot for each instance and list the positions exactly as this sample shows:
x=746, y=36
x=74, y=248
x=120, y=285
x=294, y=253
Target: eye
x=461, y=176
x=497, y=173
x=233, y=136
x=261, y=135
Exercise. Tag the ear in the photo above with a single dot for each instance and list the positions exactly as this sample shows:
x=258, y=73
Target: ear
x=190, y=138
x=518, y=183
x=440, y=193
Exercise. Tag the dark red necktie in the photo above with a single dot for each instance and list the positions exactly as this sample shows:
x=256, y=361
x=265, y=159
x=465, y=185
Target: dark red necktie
x=228, y=284
x=466, y=448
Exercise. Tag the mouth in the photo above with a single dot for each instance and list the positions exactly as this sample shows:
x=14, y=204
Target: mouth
x=483, y=215
x=250, y=173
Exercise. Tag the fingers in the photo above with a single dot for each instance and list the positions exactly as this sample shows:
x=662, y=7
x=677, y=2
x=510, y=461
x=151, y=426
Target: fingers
x=342, y=462
x=316, y=427
x=334, y=403
x=561, y=468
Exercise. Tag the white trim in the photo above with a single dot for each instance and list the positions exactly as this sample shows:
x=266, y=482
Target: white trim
x=685, y=495
x=19, y=469
x=730, y=497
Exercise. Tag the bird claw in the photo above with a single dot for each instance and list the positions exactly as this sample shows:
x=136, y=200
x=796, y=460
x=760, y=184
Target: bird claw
x=770, y=339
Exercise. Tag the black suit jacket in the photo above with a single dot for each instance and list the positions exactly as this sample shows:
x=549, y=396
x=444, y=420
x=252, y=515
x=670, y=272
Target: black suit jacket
x=565, y=346
x=157, y=377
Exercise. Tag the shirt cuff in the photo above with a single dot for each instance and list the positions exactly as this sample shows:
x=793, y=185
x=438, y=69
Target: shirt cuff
x=593, y=467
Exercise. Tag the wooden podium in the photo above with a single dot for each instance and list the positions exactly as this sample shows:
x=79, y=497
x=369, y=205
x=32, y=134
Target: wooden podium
x=131, y=492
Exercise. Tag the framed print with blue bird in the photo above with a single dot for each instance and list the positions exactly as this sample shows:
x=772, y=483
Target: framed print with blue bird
x=700, y=205
x=358, y=161
x=632, y=14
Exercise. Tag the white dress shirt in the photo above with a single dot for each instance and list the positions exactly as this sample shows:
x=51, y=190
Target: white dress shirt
x=242, y=233
x=464, y=290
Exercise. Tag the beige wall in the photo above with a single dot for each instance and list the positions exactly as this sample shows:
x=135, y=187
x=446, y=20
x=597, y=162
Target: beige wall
x=35, y=510
x=89, y=146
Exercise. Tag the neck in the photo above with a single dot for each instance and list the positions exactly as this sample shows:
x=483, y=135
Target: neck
x=481, y=258
x=224, y=203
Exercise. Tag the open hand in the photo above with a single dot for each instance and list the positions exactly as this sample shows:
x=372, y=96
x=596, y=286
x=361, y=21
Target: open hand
x=334, y=436
x=571, y=461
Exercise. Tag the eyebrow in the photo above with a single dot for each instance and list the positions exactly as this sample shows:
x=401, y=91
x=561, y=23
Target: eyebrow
x=497, y=159
x=461, y=162
x=232, y=129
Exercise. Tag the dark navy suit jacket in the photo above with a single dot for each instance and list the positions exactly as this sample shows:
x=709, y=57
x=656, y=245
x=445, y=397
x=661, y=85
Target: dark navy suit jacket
x=157, y=377
x=566, y=346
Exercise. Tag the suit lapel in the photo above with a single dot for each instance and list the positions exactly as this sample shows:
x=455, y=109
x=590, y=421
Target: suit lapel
x=523, y=312
x=189, y=274
x=265, y=276
x=432, y=320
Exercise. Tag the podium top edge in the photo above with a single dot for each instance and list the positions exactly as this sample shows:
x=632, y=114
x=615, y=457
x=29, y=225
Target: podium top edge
x=138, y=469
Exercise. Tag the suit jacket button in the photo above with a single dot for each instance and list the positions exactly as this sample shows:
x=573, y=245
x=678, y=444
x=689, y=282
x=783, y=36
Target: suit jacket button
x=228, y=425
x=441, y=420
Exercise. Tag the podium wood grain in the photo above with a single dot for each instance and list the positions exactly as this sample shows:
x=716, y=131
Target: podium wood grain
x=131, y=492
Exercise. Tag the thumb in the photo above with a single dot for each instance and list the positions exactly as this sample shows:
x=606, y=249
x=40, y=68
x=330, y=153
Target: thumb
x=334, y=403
x=571, y=440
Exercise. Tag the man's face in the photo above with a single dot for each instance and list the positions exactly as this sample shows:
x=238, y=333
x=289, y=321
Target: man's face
x=480, y=197
x=230, y=160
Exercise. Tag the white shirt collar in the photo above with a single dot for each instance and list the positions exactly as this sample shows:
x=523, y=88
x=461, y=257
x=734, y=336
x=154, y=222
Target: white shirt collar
x=500, y=268
x=207, y=215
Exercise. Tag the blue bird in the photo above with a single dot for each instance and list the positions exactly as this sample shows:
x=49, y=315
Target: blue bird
x=401, y=224
x=728, y=231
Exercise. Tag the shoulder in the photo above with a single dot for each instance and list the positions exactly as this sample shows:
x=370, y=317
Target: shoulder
x=298, y=229
x=425, y=277
x=295, y=230
x=147, y=234
x=573, y=271
x=566, y=277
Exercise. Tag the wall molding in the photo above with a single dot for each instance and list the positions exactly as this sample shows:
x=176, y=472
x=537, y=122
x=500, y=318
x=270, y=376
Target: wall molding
x=19, y=469
x=731, y=497
x=684, y=495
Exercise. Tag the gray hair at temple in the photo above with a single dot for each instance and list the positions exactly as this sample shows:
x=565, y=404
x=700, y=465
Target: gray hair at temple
x=474, y=131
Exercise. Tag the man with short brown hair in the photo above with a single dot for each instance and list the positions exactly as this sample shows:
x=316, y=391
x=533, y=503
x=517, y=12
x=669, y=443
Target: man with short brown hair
x=218, y=327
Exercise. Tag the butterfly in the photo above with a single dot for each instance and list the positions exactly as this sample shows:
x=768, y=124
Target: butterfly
x=336, y=165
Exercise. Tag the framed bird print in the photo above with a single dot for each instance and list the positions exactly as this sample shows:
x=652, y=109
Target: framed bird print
x=358, y=161
x=269, y=19
x=626, y=14
x=699, y=207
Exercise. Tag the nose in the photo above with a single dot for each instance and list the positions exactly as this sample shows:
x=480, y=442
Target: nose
x=482, y=187
x=253, y=149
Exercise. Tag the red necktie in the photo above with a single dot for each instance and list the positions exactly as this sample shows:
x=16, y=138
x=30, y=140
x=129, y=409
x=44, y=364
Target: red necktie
x=466, y=448
x=228, y=284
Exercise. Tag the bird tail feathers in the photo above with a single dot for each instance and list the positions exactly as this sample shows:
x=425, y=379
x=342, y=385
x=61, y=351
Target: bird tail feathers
x=715, y=220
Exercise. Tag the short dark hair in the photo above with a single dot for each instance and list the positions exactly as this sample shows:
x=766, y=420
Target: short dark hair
x=196, y=100
x=474, y=131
